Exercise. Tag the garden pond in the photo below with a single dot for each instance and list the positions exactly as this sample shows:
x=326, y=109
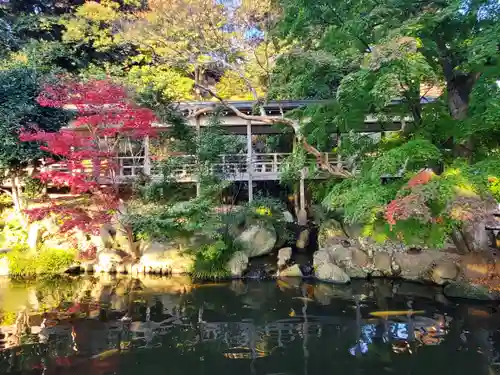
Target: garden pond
x=125, y=326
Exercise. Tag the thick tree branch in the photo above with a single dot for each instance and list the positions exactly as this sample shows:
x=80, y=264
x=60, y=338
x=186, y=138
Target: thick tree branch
x=6, y=191
x=321, y=157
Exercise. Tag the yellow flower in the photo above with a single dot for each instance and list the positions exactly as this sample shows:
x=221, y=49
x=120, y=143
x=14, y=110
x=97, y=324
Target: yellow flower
x=263, y=211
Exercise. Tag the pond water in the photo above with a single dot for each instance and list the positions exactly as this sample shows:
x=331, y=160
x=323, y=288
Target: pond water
x=126, y=326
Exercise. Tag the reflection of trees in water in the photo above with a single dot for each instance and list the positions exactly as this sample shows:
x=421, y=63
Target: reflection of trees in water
x=89, y=317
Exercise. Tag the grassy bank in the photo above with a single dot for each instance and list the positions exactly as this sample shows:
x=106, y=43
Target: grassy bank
x=24, y=263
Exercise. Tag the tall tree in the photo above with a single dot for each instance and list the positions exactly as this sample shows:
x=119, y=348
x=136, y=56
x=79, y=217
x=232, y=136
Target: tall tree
x=86, y=157
x=361, y=56
x=383, y=50
x=19, y=87
x=205, y=38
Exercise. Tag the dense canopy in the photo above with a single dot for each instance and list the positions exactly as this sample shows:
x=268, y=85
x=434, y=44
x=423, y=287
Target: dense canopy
x=439, y=59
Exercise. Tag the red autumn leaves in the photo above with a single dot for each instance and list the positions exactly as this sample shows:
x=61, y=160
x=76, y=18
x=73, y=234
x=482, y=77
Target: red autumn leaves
x=86, y=151
x=413, y=204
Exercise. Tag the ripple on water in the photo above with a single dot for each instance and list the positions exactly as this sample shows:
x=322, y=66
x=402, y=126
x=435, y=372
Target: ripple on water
x=124, y=326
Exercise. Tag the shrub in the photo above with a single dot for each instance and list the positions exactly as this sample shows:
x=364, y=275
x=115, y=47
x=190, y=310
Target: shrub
x=46, y=262
x=12, y=233
x=5, y=201
x=211, y=260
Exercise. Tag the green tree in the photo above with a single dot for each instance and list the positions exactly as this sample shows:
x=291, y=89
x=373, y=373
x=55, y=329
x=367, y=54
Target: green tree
x=361, y=56
x=19, y=88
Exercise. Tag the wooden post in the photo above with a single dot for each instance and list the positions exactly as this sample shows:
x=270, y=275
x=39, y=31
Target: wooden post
x=302, y=215
x=302, y=190
x=249, y=160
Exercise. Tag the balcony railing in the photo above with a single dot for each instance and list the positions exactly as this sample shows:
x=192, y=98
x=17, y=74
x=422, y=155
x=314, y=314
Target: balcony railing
x=234, y=167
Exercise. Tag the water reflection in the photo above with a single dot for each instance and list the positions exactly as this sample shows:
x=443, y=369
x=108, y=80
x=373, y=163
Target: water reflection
x=124, y=326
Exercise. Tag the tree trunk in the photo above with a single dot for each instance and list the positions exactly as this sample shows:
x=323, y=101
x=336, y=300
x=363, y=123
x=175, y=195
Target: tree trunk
x=19, y=191
x=459, y=241
x=458, y=101
x=16, y=198
x=459, y=89
x=131, y=243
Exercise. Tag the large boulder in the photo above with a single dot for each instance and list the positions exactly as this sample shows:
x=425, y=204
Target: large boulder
x=476, y=238
x=258, y=240
x=108, y=260
x=419, y=266
x=358, y=265
x=469, y=290
x=238, y=264
x=292, y=271
x=444, y=272
x=473, y=235
x=165, y=257
x=353, y=261
x=382, y=264
x=330, y=233
x=284, y=256
x=332, y=273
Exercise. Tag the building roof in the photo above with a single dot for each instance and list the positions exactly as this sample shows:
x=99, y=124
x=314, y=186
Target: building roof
x=277, y=105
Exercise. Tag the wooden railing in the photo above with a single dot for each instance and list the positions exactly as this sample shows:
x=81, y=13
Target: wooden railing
x=235, y=167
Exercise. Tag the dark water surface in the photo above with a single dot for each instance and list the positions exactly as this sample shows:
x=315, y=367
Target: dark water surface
x=125, y=326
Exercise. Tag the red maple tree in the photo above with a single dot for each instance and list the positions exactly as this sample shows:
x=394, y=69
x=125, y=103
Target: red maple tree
x=85, y=154
x=411, y=205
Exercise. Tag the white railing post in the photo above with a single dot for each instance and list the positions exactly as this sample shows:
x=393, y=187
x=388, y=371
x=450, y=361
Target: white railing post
x=275, y=162
x=119, y=169
x=249, y=160
x=147, y=160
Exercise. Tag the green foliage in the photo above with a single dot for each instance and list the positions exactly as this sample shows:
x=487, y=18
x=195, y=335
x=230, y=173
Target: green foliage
x=210, y=262
x=33, y=187
x=181, y=220
x=200, y=152
x=298, y=73
x=211, y=259
x=291, y=167
x=360, y=200
x=373, y=53
x=5, y=202
x=19, y=87
x=13, y=232
x=46, y=262
x=412, y=155
x=172, y=84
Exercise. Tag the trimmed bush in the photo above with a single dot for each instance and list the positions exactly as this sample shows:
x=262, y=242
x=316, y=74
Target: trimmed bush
x=23, y=263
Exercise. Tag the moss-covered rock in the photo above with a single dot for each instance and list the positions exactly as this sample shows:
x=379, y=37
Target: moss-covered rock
x=258, y=240
x=469, y=290
x=330, y=232
x=167, y=257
